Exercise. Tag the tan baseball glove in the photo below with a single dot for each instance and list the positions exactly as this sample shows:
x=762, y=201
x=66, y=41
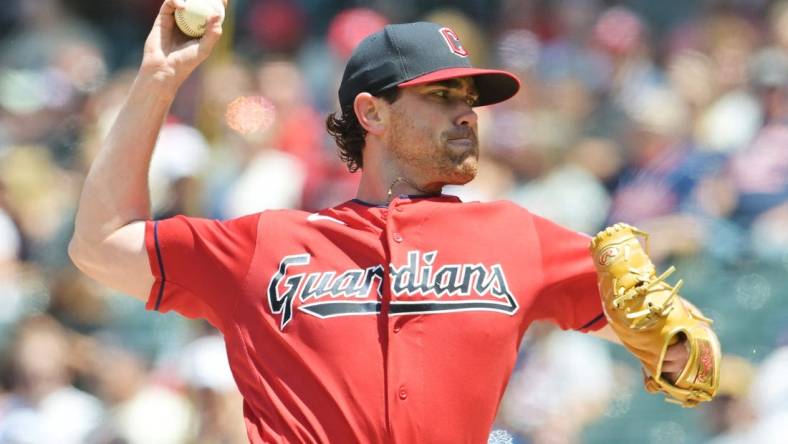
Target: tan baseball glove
x=648, y=316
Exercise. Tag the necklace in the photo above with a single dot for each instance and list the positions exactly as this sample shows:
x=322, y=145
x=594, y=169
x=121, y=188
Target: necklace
x=398, y=180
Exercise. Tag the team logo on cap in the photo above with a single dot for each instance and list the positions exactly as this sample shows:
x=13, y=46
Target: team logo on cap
x=454, y=42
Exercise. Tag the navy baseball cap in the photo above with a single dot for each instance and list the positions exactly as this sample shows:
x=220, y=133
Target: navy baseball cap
x=417, y=53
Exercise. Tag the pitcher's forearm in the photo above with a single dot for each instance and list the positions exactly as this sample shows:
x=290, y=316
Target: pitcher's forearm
x=116, y=188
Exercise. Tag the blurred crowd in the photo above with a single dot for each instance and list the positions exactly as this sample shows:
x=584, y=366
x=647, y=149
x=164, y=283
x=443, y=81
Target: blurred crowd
x=670, y=115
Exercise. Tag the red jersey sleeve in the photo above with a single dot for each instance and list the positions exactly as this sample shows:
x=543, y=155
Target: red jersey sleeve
x=199, y=265
x=569, y=295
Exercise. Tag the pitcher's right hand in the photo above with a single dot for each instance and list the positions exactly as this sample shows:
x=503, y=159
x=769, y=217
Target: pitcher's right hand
x=171, y=56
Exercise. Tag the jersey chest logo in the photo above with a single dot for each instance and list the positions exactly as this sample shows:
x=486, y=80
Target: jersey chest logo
x=416, y=287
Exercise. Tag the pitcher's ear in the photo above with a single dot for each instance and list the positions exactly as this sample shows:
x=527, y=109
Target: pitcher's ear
x=371, y=112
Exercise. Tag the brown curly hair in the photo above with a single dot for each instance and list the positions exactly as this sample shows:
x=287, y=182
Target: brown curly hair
x=349, y=134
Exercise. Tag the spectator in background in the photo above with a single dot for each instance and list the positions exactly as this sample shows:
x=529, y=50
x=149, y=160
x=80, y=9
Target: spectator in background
x=620, y=37
x=204, y=369
x=40, y=195
x=48, y=65
x=654, y=181
x=44, y=406
x=760, y=175
x=572, y=181
x=769, y=397
x=657, y=189
x=269, y=178
x=254, y=171
x=732, y=118
x=759, y=172
x=138, y=410
x=177, y=167
x=550, y=399
x=77, y=302
x=10, y=268
x=566, y=53
x=299, y=133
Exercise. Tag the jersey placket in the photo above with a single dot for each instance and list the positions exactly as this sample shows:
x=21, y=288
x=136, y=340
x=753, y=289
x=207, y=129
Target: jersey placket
x=405, y=347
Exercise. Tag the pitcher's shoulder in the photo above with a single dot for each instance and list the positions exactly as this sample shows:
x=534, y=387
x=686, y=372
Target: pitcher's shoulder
x=502, y=205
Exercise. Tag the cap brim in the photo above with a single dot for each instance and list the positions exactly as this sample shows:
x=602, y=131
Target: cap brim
x=493, y=85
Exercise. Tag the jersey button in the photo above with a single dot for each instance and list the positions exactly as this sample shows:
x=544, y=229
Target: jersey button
x=403, y=394
x=397, y=237
x=397, y=328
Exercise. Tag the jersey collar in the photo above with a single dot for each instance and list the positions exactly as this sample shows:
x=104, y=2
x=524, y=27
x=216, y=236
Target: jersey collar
x=412, y=198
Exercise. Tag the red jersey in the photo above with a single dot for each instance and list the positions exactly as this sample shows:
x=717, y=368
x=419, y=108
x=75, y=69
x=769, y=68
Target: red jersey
x=372, y=324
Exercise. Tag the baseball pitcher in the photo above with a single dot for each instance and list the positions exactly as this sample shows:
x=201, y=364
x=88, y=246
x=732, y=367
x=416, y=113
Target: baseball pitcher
x=394, y=317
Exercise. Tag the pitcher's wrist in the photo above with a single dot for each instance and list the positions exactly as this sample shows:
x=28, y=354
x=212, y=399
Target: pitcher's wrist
x=156, y=85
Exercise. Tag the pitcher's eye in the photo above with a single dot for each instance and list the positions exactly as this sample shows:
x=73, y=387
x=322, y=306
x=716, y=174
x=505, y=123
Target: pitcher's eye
x=440, y=93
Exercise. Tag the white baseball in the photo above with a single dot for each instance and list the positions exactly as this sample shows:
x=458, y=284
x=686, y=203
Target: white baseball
x=192, y=18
